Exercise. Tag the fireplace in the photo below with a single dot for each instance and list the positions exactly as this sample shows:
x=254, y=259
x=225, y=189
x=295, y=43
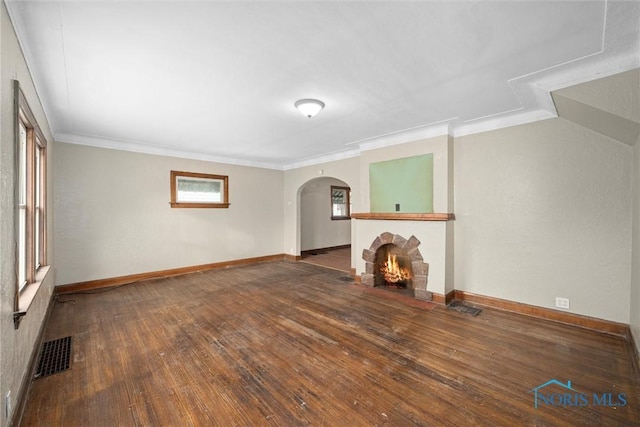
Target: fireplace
x=393, y=260
x=392, y=267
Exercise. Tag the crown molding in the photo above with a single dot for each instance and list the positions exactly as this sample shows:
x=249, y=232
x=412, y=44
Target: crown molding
x=402, y=137
x=159, y=151
x=496, y=122
x=332, y=157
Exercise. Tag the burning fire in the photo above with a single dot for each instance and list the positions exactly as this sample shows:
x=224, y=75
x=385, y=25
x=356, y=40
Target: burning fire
x=392, y=271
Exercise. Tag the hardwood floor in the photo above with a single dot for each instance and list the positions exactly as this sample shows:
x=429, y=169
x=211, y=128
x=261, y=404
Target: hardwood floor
x=295, y=344
x=336, y=258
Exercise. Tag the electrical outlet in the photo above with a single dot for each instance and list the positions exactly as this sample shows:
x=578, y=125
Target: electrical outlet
x=562, y=303
x=7, y=405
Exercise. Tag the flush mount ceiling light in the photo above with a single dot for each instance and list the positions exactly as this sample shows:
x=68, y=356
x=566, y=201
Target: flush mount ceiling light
x=309, y=107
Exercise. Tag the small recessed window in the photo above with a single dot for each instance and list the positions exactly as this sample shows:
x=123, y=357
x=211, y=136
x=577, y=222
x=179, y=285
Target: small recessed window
x=199, y=190
x=340, y=203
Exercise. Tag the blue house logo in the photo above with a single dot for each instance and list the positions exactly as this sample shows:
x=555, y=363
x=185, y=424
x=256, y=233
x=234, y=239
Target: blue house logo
x=568, y=396
x=547, y=398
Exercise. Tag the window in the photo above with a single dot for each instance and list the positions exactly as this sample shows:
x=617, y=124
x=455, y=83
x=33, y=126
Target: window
x=31, y=194
x=199, y=190
x=340, y=204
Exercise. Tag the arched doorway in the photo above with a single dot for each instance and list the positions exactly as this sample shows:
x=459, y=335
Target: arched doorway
x=325, y=225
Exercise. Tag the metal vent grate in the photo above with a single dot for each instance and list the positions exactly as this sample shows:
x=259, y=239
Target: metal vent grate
x=55, y=357
x=463, y=308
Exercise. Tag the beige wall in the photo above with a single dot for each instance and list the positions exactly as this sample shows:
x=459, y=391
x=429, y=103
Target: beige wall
x=544, y=210
x=113, y=216
x=317, y=229
x=16, y=346
x=635, y=272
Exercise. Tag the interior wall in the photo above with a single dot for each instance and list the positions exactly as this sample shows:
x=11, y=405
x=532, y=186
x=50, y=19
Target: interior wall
x=113, y=216
x=317, y=229
x=16, y=346
x=544, y=210
x=635, y=271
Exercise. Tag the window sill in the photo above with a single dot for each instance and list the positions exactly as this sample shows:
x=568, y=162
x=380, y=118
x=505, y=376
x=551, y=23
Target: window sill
x=199, y=205
x=28, y=294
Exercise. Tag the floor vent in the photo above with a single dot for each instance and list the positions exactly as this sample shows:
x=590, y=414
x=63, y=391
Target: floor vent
x=55, y=357
x=463, y=308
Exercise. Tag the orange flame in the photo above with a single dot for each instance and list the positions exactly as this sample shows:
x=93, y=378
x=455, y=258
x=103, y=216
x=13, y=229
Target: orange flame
x=392, y=271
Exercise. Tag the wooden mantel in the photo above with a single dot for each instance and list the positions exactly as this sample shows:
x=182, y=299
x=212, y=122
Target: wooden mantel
x=397, y=216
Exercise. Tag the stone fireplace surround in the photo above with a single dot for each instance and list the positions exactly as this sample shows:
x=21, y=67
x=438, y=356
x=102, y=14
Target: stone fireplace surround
x=428, y=237
x=410, y=247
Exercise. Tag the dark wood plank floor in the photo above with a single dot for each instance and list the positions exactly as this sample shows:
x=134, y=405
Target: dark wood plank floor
x=295, y=344
x=336, y=258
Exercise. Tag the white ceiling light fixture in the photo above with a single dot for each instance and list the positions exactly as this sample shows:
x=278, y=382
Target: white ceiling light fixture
x=309, y=107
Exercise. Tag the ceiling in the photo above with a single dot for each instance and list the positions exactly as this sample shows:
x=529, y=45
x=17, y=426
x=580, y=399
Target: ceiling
x=217, y=80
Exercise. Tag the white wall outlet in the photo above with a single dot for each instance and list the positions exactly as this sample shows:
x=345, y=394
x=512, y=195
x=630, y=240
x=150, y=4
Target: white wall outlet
x=7, y=405
x=562, y=303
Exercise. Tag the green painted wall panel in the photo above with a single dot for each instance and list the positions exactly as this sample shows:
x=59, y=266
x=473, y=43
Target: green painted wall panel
x=407, y=182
